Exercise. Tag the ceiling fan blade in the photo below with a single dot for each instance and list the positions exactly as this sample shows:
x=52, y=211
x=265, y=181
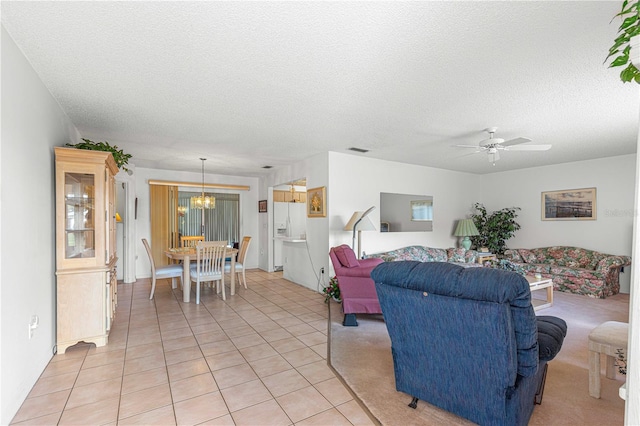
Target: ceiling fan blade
x=467, y=146
x=528, y=148
x=515, y=141
x=468, y=154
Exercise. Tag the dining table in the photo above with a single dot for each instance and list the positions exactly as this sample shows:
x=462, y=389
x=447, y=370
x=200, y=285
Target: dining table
x=185, y=254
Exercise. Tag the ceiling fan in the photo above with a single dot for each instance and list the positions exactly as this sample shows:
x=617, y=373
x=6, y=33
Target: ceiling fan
x=493, y=145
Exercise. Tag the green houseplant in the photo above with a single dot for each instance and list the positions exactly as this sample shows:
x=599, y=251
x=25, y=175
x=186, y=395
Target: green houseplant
x=119, y=156
x=622, y=46
x=495, y=228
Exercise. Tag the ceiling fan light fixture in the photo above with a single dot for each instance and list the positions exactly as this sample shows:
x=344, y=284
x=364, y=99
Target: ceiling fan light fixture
x=493, y=145
x=203, y=201
x=493, y=157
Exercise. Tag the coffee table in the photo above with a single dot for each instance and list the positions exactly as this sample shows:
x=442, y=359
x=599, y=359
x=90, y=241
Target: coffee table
x=539, y=284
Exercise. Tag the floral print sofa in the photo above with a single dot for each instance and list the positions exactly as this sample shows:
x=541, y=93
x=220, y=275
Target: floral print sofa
x=430, y=254
x=572, y=269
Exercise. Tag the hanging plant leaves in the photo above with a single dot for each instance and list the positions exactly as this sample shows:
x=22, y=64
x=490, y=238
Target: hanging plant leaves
x=630, y=27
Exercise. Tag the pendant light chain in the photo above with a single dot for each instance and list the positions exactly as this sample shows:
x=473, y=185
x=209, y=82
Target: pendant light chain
x=202, y=201
x=203, y=160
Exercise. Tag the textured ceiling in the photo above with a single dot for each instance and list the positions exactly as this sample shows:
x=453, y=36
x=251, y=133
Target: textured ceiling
x=248, y=84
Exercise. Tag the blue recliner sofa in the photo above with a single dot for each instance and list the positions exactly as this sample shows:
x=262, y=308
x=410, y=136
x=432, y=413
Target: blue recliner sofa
x=467, y=339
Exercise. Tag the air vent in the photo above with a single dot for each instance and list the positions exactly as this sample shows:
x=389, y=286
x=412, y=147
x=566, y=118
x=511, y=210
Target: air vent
x=358, y=149
x=267, y=167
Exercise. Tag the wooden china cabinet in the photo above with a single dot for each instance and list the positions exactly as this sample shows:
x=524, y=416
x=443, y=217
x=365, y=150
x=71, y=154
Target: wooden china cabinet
x=85, y=246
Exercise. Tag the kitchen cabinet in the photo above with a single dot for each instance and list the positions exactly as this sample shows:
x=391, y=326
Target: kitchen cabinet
x=289, y=197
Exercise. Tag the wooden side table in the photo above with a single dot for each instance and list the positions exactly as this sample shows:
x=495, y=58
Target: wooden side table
x=483, y=257
x=540, y=284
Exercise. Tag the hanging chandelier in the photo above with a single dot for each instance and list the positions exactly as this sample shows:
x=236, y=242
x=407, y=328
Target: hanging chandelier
x=202, y=201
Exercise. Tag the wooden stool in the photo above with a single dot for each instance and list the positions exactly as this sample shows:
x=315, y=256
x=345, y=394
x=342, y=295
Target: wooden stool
x=606, y=339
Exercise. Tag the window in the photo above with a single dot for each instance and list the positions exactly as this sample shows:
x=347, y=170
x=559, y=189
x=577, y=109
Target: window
x=220, y=223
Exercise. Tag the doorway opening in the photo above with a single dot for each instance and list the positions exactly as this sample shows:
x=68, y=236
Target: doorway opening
x=289, y=217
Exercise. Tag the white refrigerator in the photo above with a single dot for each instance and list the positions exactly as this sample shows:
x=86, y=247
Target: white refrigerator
x=289, y=222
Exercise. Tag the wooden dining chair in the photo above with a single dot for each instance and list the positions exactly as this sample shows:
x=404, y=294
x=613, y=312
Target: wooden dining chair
x=210, y=261
x=242, y=253
x=169, y=271
x=190, y=240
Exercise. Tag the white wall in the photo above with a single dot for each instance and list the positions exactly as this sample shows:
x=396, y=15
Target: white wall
x=614, y=180
x=32, y=123
x=355, y=184
x=248, y=210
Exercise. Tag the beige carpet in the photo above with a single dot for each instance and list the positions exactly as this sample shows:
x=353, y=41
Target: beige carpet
x=362, y=357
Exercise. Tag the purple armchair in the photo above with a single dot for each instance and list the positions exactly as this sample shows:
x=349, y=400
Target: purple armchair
x=357, y=289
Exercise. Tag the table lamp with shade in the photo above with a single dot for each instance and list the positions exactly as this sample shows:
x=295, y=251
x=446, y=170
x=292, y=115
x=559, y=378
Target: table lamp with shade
x=466, y=228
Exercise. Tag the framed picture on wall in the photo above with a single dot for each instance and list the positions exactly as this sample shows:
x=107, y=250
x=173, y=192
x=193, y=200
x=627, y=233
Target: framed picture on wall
x=317, y=202
x=262, y=206
x=569, y=204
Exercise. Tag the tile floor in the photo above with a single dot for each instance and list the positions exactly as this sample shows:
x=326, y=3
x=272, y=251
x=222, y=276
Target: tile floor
x=258, y=358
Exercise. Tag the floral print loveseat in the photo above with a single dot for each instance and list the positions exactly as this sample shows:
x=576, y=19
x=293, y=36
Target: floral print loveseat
x=429, y=254
x=572, y=269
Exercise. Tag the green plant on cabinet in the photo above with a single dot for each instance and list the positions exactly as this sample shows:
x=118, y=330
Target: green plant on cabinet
x=119, y=156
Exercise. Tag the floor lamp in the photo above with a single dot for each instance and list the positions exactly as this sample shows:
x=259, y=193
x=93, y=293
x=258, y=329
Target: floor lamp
x=359, y=222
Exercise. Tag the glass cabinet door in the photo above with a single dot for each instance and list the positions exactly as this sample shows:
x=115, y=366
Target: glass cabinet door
x=79, y=197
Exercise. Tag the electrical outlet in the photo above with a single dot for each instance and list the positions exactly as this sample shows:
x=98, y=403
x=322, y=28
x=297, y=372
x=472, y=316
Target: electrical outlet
x=33, y=324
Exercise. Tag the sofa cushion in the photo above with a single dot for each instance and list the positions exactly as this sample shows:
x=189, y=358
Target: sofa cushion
x=551, y=334
x=595, y=260
x=563, y=271
x=513, y=255
x=346, y=256
x=528, y=256
x=432, y=254
x=456, y=255
x=572, y=257
x=470, y=256
x=537, y=268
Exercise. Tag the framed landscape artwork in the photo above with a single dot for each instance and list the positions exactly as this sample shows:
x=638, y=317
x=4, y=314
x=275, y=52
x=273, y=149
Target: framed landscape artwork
x=262, y=206
x=316, y=202
x=569, y=204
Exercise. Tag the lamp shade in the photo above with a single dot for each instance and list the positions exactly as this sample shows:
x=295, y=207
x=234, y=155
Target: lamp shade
x=466, y=228
x=365, y=223
x=359, y=222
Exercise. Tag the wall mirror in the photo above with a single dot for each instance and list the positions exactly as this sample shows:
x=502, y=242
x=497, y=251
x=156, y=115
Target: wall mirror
x=406, y=213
